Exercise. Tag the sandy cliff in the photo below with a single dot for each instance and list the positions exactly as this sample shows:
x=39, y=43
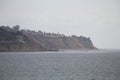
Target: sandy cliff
x=13, y=39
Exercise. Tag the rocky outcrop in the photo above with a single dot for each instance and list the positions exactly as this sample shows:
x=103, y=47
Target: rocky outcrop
x=13, y=39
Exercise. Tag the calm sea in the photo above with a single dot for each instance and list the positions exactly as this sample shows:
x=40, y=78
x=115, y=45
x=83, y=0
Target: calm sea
x=62, y=65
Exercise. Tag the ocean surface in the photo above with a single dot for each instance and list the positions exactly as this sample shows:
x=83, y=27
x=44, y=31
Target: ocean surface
x=62, y=65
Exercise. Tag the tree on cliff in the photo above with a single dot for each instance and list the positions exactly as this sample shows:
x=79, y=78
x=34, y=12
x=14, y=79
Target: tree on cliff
x=16, y=28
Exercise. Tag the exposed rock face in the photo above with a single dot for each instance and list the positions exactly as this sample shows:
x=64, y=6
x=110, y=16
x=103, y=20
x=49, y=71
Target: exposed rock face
x=60, y=41
x=13, y=39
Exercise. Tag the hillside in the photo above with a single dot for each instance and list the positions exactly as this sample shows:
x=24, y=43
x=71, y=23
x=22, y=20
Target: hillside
x=60, y=41
x=13, y=39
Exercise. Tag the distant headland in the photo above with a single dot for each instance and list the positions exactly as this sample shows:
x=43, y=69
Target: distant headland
x=14, y=39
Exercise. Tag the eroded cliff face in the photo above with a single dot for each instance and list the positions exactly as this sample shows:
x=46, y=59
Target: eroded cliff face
x=60, y=41
x=13, y=39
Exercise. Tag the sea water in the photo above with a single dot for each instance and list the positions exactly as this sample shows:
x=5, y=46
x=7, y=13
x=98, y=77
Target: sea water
x=62, y=65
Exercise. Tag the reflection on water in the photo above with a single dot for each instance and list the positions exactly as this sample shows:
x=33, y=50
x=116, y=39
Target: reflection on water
x=90, y=65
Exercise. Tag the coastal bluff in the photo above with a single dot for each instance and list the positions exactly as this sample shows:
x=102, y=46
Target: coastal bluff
x=14, y=39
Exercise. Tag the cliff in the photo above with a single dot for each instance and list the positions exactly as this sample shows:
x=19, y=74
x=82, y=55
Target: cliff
x=60, y=41
x=13, y=39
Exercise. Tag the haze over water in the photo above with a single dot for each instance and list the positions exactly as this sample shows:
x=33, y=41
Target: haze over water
x=63, y=65
x=97, y=19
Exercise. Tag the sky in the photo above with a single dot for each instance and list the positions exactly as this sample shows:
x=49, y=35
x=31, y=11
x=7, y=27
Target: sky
x=97, y=19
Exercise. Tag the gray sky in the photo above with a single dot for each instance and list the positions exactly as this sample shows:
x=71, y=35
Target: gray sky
x=98, y=19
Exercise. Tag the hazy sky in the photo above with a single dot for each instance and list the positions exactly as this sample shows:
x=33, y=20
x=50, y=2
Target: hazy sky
x=98, y=19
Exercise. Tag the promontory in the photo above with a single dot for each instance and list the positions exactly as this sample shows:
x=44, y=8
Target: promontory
x=14, y=39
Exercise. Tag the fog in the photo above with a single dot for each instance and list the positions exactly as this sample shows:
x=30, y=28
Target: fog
x=97, y=19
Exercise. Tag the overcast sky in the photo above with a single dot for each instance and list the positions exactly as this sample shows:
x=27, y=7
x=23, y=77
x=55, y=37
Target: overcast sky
x=97, y=19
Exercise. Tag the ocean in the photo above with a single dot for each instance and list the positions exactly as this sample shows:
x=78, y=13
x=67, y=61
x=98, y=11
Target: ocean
x=62, y=65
